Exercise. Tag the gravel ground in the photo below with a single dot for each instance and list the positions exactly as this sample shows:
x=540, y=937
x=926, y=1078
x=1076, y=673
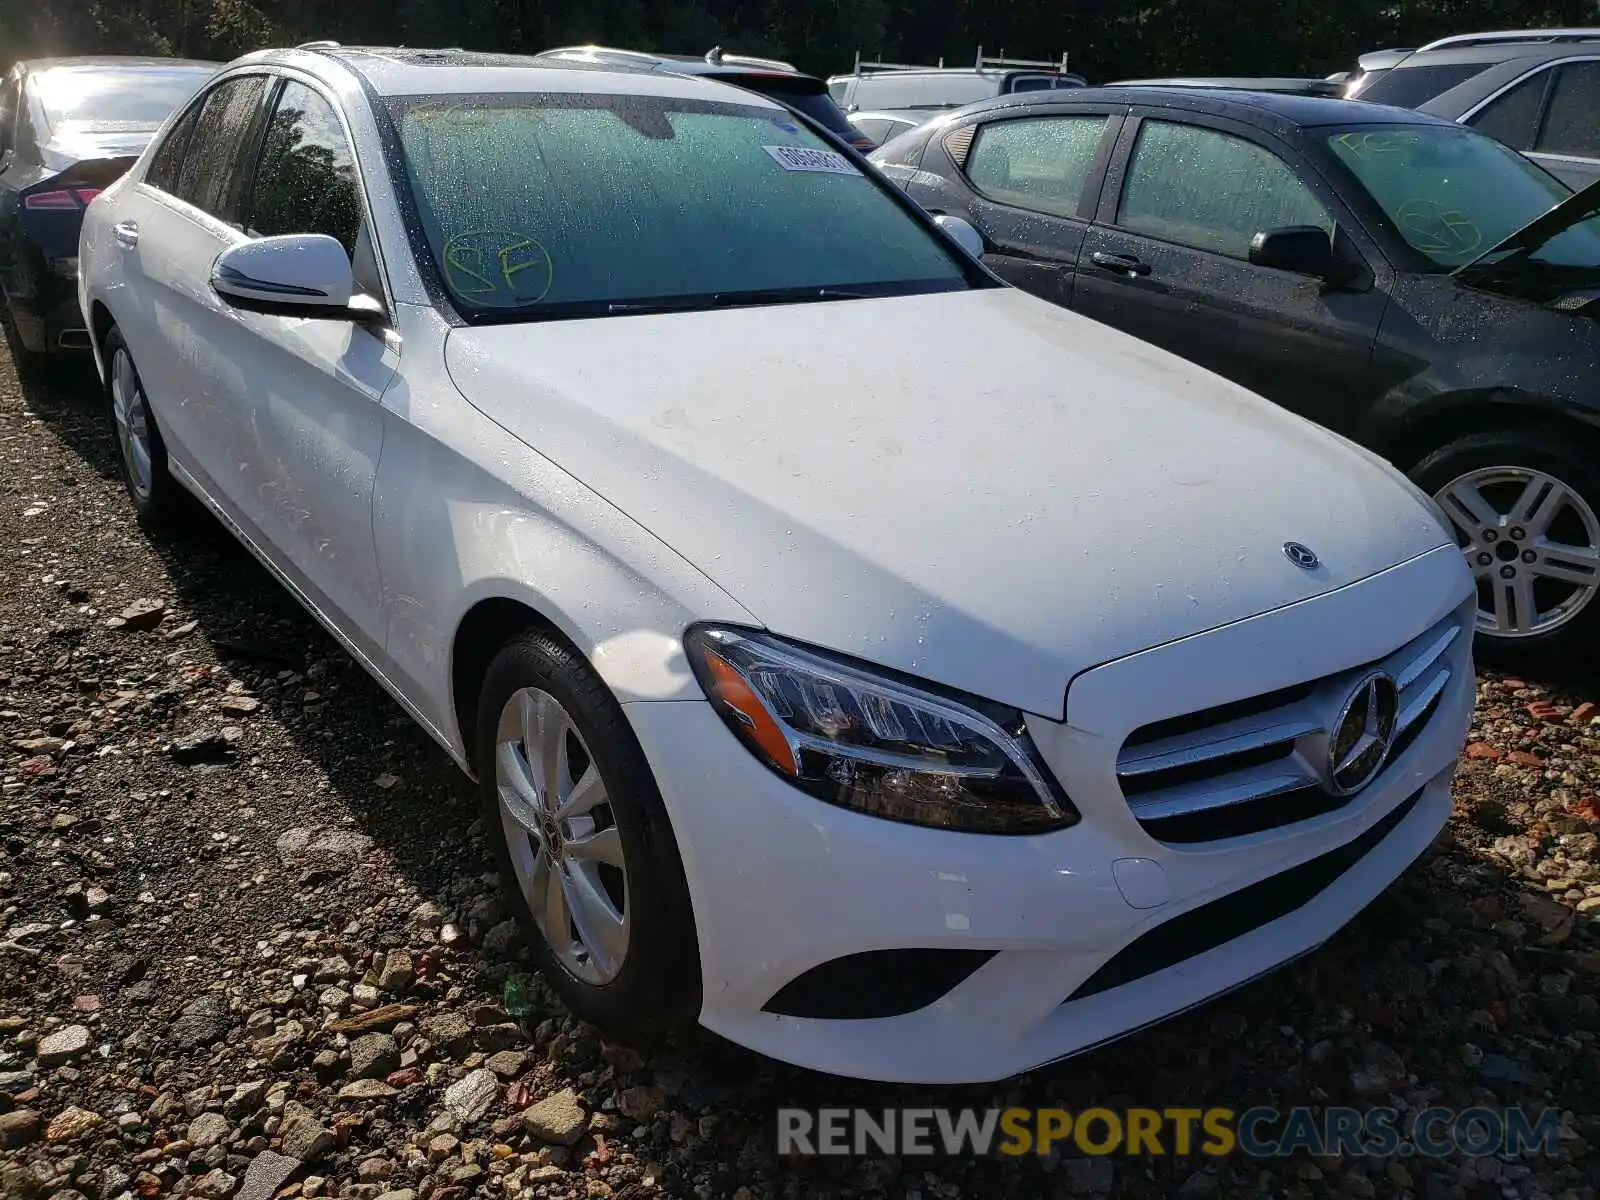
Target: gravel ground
x=249, y=947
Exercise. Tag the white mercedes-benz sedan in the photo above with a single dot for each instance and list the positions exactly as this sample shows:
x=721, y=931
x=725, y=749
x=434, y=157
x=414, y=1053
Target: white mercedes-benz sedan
x=902, y=676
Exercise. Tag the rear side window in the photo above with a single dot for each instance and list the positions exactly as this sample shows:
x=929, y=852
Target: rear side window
x=1513, y=116
x=1040, y=163
x=306, y=181
x=1411, y=87
x=211, y=175
x=166, y=165
x=1210, y=190
x=1570, y=126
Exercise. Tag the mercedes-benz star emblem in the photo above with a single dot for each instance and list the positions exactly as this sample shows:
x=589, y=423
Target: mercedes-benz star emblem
x=1301, y=556
x=1362, y=734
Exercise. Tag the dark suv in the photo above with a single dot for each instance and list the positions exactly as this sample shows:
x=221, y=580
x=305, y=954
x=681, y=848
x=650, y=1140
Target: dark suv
x=1406, y=281
x=1537, y=90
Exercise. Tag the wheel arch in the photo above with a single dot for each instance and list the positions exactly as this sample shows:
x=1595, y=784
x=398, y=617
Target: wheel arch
x=1456, y=415
x=484, y=628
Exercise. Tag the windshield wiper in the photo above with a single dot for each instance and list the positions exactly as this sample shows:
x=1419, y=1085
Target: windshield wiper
x=734, y=300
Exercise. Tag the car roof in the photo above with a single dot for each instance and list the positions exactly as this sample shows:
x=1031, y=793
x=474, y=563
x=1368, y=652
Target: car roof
x=1262, y=109
x=1497, y=52
x=399, y=71
x=119, y=62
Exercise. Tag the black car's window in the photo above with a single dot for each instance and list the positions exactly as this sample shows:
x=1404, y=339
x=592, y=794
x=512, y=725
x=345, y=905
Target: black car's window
x=306, y=180
x=1570, y=126
x=580, y=204
x=1409, y=87
x=1210, y=190
x=113, y=95
x=215, y=153
x=1513, y=116
x=166, y=164
x=1041, y=163
x=819, y=106
x=1453, y=194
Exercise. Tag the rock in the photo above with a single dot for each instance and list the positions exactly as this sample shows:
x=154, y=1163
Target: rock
x=1483, y=750
x=321, y=848
x=442, y=1147
x=302, y=1136
x=246, y=1098
x=386, y=1017
x=208, y=1129
x=277, y=1047
x=640, y=1104
x=367, y=1089
x=1526, y=758
x=398, y=973
x=501, y=939
x=332, y=970
x=267, y=1173
x=200, y=746
x=376, y=1167
x=62, y=1046
x=71, y=1123
x=1497, y=1066
x=1087, y=1176
x=364, y=995
x=449, y=1031
x=238, y=706
x=470, y=1097
x=143, y=614
x=507, y=1064
x=398, y=1194
x=216, y=1184
x=385, y=781
x=373, y=1056
x=40, y=745
x=451, y=935
x=504, y=1036
x=19, y=1127
x=559, y=1118
x=335, y=998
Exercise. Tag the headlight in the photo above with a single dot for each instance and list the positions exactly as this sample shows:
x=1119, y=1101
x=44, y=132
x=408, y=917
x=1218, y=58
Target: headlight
x=853, y=737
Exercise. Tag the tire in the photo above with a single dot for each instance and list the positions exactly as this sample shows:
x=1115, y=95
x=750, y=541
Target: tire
x=140, y=448
x=654, y=985
x=1526, y=613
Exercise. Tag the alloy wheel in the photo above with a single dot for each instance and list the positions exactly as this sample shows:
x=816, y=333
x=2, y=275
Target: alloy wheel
x=1533, y=544
x=561, y=831
x=133, y=423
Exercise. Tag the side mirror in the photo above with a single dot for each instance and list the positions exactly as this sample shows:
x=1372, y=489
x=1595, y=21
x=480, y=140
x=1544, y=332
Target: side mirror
x=1302, y=249
x=962, y=232
x=294, y=275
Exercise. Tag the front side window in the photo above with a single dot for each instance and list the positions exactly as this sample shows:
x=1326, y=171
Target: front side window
x=1210, y=190
x=1453, y=194
x=306, y=180
x=568, y=204
x=1040, y=163
x=1513, y=116
x=214, y=158
x=1570, y=127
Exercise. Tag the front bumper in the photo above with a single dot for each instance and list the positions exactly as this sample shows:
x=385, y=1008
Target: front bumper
x=782, y=884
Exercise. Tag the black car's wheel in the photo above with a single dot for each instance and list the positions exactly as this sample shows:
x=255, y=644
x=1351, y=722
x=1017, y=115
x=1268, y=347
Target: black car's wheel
x=583, y=841
x=1524, y=507
x=144, y=455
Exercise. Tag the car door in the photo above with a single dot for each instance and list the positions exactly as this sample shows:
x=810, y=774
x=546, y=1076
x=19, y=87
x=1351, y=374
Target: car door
x=1168, y=261
x=1550, y=115
x=1028, y=182
x=304, y=422
x=172, y=225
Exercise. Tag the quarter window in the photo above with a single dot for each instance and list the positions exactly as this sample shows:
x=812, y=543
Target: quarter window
x=1040, y=163
x=211, y=177
x=1513, y=117
x=166, y=165
x=306, y=181
x=1569, y=126
x=1210, y=190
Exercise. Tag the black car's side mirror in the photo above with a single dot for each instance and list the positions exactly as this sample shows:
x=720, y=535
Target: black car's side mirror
x=1302, y=249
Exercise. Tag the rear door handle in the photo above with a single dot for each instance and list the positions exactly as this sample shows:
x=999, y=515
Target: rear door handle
x=126, y=233
x=1122, y=264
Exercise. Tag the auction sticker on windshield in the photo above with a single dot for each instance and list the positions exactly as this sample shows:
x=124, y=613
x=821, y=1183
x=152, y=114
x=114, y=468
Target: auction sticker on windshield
x=803, y=158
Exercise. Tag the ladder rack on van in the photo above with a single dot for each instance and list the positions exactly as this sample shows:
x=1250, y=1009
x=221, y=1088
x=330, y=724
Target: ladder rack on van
x=866, y=66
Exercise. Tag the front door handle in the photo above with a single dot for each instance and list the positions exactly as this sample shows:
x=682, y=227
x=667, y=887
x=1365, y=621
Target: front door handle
x=1121, y=264
x=126, y=233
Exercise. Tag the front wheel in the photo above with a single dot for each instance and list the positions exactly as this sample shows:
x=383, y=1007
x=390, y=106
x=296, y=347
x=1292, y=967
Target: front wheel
x=1523, y=506
x=583, y=841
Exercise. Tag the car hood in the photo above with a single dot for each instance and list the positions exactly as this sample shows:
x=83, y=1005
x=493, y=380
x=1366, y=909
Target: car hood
x=976, y=487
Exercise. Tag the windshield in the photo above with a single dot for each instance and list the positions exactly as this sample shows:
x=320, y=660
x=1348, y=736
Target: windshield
x=1453, y=194
x=563, y=204
x=140, y=96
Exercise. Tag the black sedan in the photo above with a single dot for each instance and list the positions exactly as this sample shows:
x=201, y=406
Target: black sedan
x=1398, y=278
x=69, y=127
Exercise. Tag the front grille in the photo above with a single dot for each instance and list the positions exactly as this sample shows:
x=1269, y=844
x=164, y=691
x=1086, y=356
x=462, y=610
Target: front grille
x=1259, y=763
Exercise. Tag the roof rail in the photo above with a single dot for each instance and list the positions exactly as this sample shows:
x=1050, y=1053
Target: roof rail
x=1504, y=36
x=719, y=57
x=326, y=44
